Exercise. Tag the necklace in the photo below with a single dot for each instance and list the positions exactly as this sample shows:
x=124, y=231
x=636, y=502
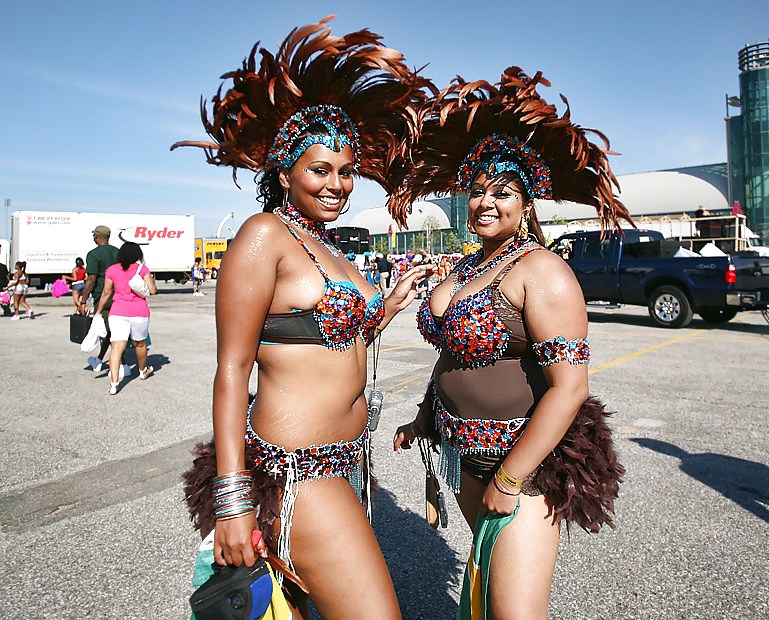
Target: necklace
x=317, y=230
x=471, y=268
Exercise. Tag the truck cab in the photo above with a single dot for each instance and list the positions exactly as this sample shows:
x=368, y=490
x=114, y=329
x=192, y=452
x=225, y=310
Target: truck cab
x=211, y=252
x=641, y=267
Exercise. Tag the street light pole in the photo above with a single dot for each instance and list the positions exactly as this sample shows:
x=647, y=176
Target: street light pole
x=728, y=154
x=7, y=203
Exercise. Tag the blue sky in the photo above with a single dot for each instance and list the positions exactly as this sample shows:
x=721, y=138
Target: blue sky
x=94, y=92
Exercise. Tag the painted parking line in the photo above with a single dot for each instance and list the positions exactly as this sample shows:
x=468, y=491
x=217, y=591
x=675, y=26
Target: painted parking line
x=654, y=347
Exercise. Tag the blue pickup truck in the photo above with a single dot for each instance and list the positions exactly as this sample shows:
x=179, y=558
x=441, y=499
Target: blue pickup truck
x=641, y=268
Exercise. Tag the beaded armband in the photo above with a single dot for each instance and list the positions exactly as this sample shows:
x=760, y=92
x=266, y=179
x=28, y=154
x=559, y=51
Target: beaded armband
x=558, y=349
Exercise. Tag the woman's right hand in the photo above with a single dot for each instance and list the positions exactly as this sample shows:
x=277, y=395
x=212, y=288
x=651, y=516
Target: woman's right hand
x=404, y=437
x=232, y=541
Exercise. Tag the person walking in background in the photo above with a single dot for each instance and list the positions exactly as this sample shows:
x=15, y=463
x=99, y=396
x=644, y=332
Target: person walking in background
x=77, y=282
x=5, y=298
x=508, y=401
x=18, y=285
x=96, y=263
x=129, y=313
x=198, y=274
x=385, y=268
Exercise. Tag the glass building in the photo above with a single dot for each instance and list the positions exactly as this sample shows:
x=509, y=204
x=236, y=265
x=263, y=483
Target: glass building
x=748, y=137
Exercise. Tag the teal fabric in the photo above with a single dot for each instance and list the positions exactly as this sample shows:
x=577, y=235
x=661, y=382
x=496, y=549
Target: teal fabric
x=488, y=527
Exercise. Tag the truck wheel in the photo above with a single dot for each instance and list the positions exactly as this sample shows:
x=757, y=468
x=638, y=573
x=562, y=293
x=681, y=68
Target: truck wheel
x=670, y=307
x=718, y=315
x=214, y=274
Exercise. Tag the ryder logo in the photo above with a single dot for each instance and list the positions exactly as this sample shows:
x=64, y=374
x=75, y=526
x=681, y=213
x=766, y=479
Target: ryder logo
x=143, y=235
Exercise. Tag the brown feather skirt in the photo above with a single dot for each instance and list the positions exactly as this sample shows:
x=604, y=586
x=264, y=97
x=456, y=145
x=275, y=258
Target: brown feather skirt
x=580, y=478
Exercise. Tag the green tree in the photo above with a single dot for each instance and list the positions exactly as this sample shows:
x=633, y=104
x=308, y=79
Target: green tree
x=418, y=242
x=451, y=243
x=430, y=224
x=382, y=245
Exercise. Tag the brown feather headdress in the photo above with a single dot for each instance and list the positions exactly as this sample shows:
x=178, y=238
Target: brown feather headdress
x=474, y=125
x=361, y=92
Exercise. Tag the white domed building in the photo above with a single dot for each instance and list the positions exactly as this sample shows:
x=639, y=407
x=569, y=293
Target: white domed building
x=660, y=196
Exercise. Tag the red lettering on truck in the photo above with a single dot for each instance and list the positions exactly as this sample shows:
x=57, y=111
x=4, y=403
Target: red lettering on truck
x=142, y=232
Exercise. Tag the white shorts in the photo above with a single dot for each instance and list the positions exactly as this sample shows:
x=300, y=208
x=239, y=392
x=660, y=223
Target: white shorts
x=121, y=327
x=20, y=289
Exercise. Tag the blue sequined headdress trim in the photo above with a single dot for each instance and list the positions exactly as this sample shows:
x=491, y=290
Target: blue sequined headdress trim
x=341, y=133
x=499, y=153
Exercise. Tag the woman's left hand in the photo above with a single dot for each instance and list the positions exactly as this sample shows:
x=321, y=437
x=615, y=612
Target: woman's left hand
x=497, y=502
x=407, y=288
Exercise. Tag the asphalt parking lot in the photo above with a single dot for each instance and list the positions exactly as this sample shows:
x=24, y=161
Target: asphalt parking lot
x=93, y=525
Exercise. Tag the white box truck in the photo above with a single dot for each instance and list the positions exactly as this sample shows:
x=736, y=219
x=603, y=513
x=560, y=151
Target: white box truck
x=50, y=241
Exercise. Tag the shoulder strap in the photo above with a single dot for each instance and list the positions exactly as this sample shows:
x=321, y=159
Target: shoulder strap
x=308, y=250
x=516, y=259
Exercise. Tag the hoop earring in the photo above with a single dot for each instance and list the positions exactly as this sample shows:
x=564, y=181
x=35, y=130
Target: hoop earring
x=470, y=228
x=346, y=207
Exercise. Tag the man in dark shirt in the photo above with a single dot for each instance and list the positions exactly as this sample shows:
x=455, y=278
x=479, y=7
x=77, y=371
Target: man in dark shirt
x=96, y=263
x=384, y=267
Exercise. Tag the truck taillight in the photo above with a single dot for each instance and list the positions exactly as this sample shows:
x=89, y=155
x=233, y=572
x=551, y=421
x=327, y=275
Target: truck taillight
x=730, y=276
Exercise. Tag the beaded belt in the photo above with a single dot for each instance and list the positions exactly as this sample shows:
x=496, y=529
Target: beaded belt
x=343, y=459
x=475, y=436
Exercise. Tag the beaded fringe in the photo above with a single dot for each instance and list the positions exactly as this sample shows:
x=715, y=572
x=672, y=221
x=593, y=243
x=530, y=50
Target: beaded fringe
x=287, y=516
x=450, y=465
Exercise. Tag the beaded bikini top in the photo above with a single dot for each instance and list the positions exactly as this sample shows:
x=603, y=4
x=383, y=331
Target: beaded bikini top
x=341, y=314
x=471, y=329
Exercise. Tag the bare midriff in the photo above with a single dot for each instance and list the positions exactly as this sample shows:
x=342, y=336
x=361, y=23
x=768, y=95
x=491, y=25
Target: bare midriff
x=310, y=394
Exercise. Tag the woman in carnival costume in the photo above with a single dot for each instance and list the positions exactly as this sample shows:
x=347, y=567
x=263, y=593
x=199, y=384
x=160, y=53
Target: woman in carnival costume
x=309, y=119
x=508, y=399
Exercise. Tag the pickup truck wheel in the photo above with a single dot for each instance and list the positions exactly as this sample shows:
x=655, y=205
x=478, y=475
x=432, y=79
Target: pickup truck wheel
x=670, y=307
x=717, y=315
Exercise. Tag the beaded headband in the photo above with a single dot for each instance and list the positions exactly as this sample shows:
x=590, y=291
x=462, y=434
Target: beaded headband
x=341, y=132
x=499, y=153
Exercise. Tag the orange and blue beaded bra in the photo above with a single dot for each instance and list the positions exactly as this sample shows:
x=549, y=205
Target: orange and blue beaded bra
x=342, y=312
x=470, y=329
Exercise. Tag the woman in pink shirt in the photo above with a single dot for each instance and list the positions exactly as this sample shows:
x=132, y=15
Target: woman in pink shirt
x=130, y=314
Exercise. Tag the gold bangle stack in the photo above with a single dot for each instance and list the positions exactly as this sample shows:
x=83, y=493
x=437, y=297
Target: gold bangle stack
x=510, y=482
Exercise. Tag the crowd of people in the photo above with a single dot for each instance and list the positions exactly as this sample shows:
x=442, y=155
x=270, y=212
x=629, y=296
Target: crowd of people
x=383, y=271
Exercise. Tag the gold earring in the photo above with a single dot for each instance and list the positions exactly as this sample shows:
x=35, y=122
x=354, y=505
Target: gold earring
x=285, y=199
x=523, y=227
x=470, y=227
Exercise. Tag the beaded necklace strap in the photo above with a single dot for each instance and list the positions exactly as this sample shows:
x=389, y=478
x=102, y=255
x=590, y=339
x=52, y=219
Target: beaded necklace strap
x=317, y=230
x=309, y=252
x=469, y=270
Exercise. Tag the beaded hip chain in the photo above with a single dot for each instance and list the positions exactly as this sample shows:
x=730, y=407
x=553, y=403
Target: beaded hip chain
x=342, y=459
x=477, y=436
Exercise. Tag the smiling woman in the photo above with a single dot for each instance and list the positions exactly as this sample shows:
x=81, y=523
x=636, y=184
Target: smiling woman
x=508, y=398
x=325, y=109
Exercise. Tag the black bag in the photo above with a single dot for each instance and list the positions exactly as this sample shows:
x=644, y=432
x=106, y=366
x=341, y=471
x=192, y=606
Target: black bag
x=234, y=593
x=79, y=324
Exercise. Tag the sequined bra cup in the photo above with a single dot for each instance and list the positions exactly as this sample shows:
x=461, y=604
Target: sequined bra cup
x=339, y=317
x=471, y=329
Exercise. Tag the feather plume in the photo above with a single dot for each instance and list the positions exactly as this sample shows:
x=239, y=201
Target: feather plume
x=355, y=72
x=453, y=121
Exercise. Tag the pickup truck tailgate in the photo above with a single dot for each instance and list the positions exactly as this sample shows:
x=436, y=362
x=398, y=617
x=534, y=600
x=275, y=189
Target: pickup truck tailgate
x=753, y=277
